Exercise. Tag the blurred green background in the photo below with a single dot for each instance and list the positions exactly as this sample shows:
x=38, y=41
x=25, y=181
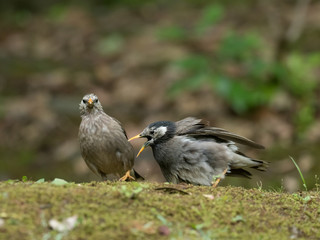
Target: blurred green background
x=251, y=67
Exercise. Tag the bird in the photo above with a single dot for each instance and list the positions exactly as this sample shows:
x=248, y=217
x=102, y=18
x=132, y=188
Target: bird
x=190, y=151
x=103, y=142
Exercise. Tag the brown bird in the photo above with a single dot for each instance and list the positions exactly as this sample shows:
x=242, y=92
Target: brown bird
x=190, y=151
x=103, y=142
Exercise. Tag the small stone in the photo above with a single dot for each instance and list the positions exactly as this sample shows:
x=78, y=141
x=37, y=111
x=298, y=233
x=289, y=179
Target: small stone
x=209, y=196
x=1, y=222
x=164, y=230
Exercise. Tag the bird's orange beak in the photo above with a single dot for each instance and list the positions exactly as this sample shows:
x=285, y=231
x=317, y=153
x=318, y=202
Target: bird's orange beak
x=146, y=144
x=90, y=103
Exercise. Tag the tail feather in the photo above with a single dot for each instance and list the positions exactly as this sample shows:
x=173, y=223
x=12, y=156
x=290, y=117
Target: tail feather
x=242, y=161
x=239, y=172
x=262, y=165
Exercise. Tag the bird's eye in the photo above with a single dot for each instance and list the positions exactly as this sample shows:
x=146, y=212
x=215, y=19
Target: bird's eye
x=95, y=101
x=151, y=131
x=84, y=101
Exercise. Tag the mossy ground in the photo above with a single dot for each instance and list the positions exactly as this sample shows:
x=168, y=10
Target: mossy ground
x=131, y=210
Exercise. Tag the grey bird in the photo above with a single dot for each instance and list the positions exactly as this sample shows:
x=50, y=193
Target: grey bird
x=192, y=152
x=103, y=142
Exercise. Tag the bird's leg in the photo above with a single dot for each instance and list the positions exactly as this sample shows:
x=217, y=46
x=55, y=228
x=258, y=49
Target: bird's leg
x=219, y=179
x=126, y=176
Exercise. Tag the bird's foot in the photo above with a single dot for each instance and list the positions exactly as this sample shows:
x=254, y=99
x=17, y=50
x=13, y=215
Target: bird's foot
x=215, y=184
x=126, y=176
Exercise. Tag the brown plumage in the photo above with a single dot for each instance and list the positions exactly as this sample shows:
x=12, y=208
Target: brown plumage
x=103, y=142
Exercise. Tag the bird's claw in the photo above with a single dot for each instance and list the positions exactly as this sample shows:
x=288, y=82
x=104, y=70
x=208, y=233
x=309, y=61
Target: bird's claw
x=126, y=176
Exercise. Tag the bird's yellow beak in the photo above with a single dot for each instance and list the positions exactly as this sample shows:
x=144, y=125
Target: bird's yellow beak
x=146, y=144
x=135, y=137
x=140, y=151
x=90, y=101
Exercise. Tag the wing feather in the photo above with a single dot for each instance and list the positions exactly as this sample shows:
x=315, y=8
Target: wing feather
x=196, y=127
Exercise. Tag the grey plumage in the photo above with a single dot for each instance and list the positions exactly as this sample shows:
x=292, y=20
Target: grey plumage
x=103, y=141
x=193, y=152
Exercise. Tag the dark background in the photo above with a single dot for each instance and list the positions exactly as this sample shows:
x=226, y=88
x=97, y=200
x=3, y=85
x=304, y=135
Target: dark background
x=251, y=67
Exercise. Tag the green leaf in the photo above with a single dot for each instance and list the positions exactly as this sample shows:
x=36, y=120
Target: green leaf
x=24, y=178
x=194, y=63
x=137, y=190
x=301, y=175
x=171, y=33
x=41, y=180
x=306, y=199
x=240, y=47
x=237, y=218
x=59, y=182
x=198, y=226
x=11, y=181
x=192, y=83
x=162, y=219
x=210, y=16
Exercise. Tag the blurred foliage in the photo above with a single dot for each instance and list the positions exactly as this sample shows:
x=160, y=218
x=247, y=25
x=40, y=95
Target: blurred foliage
x=211, y=15
x=241, y=73
x=110, y=44
x=243, y=90
x=36, y=6
x=172, y=33
x=301, y=81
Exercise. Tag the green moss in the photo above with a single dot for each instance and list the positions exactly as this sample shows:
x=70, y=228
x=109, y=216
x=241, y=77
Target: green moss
x=115, y=210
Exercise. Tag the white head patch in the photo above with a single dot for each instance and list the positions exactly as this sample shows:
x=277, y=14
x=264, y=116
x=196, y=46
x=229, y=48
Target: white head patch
x=160, y=131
